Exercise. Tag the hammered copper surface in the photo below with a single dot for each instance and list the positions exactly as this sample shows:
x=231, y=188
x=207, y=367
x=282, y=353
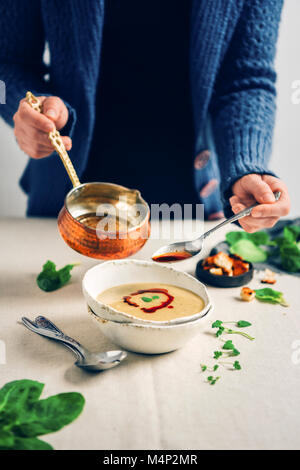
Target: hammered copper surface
x=85, y=200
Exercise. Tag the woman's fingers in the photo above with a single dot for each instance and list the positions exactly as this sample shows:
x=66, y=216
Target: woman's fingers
x=251, y=225
x=260, y=188
x=32, y=128
x=55, y=109
x=279, y=208
x=37, y=144
x=31, y=118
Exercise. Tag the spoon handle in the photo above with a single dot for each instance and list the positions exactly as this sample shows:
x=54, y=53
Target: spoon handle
x=56, y=141
x=238, y=216
x=43, y=322
x=44, y=327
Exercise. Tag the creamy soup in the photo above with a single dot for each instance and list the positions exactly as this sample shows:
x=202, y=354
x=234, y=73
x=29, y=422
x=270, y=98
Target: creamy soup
x=155, y=302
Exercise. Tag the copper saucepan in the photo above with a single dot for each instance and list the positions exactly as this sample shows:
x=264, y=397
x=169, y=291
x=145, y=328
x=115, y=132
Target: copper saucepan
x=99, y=220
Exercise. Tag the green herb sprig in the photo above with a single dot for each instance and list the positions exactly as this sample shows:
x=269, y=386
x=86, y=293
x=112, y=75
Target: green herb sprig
x=223, y=330
x=228, y=348
x=213, y=369
x=51, y=279
x=149, y=299
x=236, y=365
x=212, y=380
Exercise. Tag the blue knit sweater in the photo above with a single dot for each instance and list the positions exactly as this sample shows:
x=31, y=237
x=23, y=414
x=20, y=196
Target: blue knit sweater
x=232, y=78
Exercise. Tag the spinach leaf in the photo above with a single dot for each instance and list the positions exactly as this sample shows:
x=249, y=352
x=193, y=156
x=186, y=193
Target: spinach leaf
x=15, y=395
x=51, y=279
x=249, y=251
x=291, y=233
x=31, y=443
x=258, y=238
x=233, y=237
x=23, y=416
x=270, y=295
x=49, y=415
x=289, y=249
x=247, y=246
x=6, y=439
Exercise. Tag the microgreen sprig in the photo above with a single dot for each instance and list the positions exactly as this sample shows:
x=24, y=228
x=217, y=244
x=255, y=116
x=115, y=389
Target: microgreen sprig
x=228, y=349
x=236, y=365
x=232, y=353
x=212, y=369
x=212, y=380
x=240, y=324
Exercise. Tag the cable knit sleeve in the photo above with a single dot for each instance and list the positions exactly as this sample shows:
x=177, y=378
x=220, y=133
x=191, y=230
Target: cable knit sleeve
x=243, y=105
x=21, y=56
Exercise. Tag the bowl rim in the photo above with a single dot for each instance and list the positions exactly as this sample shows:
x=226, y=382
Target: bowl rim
x=93, y=230
x=152, y=326
x=131, y=318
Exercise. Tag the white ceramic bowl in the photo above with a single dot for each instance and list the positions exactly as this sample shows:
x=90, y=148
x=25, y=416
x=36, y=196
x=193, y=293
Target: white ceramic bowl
x=150, y=339
x=114, y=273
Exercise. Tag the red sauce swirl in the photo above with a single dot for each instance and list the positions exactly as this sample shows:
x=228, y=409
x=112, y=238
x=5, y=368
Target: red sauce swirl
x=165, y=303
x=171, y=257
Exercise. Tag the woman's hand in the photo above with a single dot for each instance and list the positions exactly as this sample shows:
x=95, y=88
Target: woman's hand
x=260, y=188
x=32, y=128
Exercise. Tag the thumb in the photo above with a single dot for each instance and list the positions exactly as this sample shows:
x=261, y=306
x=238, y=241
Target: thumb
x=260, y=190
x=55, y=109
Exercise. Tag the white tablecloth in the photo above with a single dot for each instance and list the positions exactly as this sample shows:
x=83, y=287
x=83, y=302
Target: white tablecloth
x=151, y=402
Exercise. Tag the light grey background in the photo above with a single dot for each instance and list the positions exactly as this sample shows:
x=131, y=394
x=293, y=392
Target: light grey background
x=286, y=148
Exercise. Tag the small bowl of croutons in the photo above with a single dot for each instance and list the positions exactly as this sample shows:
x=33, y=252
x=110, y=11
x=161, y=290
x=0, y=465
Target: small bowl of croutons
x=224, y=270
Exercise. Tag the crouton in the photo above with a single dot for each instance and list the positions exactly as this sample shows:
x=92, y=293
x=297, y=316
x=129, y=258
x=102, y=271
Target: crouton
x=223, y=261
x=216, y=271
x=269, y=277
x=247, y=294
x=239, y=267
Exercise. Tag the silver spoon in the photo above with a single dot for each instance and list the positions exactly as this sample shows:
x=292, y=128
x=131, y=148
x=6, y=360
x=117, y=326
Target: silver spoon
x=187, y=249
x=85, y=359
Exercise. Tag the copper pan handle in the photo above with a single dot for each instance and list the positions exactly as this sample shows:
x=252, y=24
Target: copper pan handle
x=56, y=141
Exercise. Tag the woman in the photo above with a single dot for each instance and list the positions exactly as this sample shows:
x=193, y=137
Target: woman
x=146, y=94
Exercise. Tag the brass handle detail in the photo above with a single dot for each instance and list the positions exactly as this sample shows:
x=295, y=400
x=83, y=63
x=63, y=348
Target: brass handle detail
x=56, y=141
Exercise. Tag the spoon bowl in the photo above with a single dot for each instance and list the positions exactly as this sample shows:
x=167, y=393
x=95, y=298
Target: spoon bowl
x=187, y=249
x=178, y=251
x=101, y=361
